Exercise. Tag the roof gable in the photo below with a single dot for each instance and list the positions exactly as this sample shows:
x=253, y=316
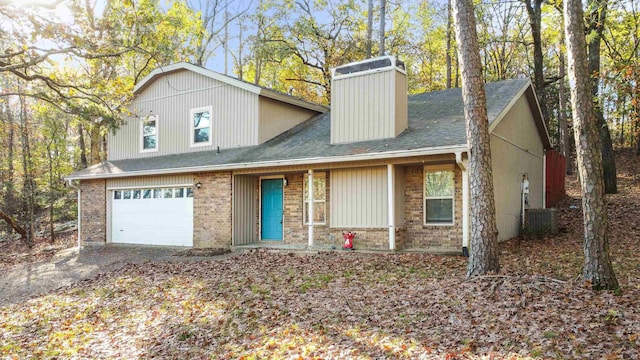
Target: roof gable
x=261, y=91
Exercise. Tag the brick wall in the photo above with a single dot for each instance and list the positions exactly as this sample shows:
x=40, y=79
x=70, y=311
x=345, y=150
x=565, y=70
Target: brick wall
x=295, y=232
x=93, y=205
x=415, y=234
x=212, y=210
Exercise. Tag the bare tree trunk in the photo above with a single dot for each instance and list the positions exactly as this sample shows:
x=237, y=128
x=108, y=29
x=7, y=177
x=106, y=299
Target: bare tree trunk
x=226, y=37
x=10, y=191
x=383, y=14
x=565, y=143
x=534, y=10
x=449, y=35
x=96, y=139
x=597, y=270
x=83, y=148
x=14, y=225
x=457, y=78
x=240, y=42
x=596, y=22
x=370, y=29
x=483, y=257
x=28, y=188
x=52, y=197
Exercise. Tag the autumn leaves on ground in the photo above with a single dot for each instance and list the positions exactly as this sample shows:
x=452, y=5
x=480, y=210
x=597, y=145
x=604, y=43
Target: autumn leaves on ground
x=353, y=305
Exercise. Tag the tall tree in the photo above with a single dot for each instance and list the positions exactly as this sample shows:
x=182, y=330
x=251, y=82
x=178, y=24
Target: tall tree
x=28, y=187
x=448, y=50
x=564, y=145
x=534, y=10
x=369, y=28
x=383, y=16
x=483, y=257
x=216, y=15
x=596, y=19
x=597, y=269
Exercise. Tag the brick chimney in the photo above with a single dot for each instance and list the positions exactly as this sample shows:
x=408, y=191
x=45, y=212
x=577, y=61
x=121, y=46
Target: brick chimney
x=368, y=100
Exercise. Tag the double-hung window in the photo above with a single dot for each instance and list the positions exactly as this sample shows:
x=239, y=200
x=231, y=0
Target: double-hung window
x=149, y=130
x=200, y=119
x=319, y=198
x=439, y=194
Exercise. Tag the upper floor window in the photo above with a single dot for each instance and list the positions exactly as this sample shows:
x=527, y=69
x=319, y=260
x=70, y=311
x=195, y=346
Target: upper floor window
x=149, y=130
x=201, y=126
x=439, y=192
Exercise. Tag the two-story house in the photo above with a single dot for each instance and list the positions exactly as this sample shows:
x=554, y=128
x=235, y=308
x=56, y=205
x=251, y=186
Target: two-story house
x=210, y=161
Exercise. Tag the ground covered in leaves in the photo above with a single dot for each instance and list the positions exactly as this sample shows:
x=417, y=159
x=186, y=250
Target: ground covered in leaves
x=352, y=305
x=14, y=251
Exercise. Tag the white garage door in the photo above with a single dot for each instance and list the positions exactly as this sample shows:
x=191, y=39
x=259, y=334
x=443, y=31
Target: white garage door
x=161, y=216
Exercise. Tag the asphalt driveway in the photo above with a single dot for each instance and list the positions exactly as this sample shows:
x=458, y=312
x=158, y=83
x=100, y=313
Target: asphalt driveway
x=70, y=266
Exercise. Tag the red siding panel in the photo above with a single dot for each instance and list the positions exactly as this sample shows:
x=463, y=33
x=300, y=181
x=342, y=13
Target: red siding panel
x=555, y=172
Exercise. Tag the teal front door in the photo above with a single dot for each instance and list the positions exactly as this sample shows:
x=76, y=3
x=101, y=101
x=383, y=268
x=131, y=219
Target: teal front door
x=271, y=203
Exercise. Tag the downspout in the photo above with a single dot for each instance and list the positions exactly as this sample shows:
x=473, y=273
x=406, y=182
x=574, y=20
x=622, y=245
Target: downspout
x=544, y=179
x=70, y=183
x=465, y=203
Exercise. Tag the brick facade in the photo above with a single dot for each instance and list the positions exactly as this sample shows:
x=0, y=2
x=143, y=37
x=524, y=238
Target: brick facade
x=93, y=205
x=212, y=216
x=413, y=234
x=295, y=231
x=212, y=210
x=416, y=235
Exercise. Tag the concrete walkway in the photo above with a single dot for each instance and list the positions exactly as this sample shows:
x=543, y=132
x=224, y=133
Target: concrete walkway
x=70, y=266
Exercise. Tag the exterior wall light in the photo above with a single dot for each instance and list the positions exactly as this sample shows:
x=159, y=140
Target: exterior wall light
x=285, y=181
x=198, y=185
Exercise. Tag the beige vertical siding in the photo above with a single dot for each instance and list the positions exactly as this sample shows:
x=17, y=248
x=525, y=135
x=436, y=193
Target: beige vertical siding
x=171, y=97
x=244, y=209
x=521, y=153
x=359, y=198
x=277, y=117
x=402, y=103
x=150, y=181
x=363, y=107
x=399, y=195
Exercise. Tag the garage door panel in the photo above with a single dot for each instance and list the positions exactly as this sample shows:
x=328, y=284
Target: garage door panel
x=155, y=221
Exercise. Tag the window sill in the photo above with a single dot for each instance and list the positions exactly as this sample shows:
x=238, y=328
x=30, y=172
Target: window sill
x=197, y=145
x=438, y=224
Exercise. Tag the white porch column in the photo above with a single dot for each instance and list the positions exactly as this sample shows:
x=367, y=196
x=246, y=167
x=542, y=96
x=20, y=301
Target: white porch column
x=465, y=202
x=391, y=206
x=310, y=207
x=465, y=208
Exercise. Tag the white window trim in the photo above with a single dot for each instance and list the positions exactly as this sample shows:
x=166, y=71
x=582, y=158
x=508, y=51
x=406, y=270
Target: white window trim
x=305, y=200
x=145, y=119
x=436, y=168
x=193, y=128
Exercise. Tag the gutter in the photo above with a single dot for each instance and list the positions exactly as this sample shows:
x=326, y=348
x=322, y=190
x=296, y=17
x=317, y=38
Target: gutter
x=264, y=164
x=69, y=182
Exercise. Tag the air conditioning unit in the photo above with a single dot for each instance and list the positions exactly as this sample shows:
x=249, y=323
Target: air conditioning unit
x=540, y=221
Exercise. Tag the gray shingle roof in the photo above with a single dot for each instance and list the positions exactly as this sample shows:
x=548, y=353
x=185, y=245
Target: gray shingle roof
x=436, y=119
